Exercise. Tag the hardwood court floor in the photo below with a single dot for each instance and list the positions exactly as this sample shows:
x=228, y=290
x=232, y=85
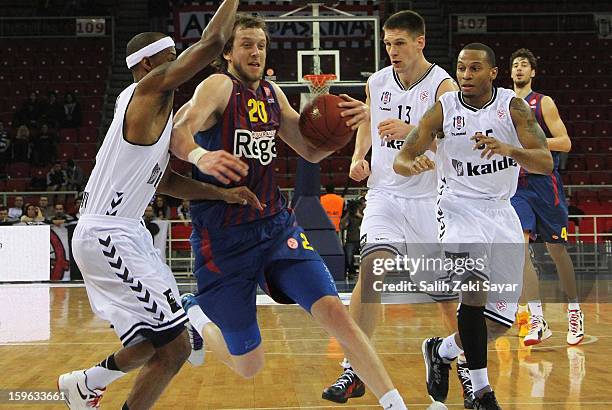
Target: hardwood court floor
x=301, y=358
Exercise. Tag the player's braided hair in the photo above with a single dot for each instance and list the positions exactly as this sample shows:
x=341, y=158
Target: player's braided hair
x=242, y=21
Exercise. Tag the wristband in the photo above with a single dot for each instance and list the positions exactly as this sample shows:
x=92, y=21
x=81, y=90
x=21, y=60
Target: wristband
x=195, y=155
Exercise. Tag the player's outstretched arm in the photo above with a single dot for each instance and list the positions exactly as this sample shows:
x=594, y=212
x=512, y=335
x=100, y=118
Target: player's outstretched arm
x=535, y=155
x=410, y=160
x=289, y=130
x=181, y=187
x=360, y=169
x=169, y=76
x=200, y=113
x=560, y=140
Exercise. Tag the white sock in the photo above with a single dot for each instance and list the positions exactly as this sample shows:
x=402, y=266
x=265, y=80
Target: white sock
x=448, y=348
x=480, y=379
x=197, y=318
x=535, y=306
x=345, y=363
x=99, y=377
x=573, y=306
x=392, y=400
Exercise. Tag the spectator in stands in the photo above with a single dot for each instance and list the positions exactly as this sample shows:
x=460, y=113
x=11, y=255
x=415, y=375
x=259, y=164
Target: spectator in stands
x=4, y=217
x=30, y=111
x=53, y=111
x=5, y=145
x=16, y=210
x=148, y=218
x=75, y=211
x=32, y=214
x=183, y=211
x=46, y=209
x=161, y=208
x=56, y=178
x=333, y=205
x=351, y=222
x=72, y=112
x=159, y=10
x=60, y=216
x=21, y=144
x=43, y=148
x=75, y=176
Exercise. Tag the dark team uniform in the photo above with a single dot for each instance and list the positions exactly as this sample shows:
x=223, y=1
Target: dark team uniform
x=540, y=200
x=238, y=247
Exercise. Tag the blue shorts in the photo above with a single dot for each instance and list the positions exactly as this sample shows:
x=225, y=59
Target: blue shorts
x=231, y=262
x=541, y=207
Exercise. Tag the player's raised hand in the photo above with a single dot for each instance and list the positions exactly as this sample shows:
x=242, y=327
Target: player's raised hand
x=223, y=166
x=243, y=196
x=357, y=110
x=421, y=164
x=360, y=170
x=490, y=145
x=394, y=129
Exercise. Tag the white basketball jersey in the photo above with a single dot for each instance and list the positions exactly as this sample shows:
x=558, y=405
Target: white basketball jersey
x=126, y=175
x=460, y=167
x=389, y=99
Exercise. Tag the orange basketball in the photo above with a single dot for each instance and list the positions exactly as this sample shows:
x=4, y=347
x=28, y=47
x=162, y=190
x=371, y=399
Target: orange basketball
x=322, y=125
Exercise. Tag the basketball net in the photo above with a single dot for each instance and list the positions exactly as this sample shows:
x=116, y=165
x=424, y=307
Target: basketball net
x=319, y=84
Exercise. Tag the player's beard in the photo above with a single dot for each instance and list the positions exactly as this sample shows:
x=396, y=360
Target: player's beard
x=247, y=74
x=520, y=83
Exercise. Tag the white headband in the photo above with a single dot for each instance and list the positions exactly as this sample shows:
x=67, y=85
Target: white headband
x=148, y=51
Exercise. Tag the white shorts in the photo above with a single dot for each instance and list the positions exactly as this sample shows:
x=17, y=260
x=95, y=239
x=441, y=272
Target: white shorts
x=127, y=282
x=405, y=227
x=489, y=231
x=390, y=222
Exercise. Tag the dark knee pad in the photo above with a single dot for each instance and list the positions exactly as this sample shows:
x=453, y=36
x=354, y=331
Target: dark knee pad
x=473, y=333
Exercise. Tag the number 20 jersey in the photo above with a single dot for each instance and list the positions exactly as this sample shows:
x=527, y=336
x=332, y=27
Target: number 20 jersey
x=390, y=99
x=247, y=129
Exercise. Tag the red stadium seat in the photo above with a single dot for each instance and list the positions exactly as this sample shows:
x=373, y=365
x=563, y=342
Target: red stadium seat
x=91, y=119
x=580, y=178
x=87, y=151
x=601, y=178
x=583, y=129
x=585, y=145
x=17, y=185
x=280, y=165
x=605, y=146
x=595, y=162
x=18, y=170
x=180, y=237
x=66, y=151
x=602, y=129
x=68, y=135
x=576, y=163
x=88, y=134
x=2, y=185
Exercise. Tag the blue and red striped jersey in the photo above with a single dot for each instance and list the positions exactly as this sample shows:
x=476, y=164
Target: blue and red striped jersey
x=535, y=102
x=248, y=130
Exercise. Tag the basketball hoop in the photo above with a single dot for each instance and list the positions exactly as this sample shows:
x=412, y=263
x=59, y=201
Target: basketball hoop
x=319, y=84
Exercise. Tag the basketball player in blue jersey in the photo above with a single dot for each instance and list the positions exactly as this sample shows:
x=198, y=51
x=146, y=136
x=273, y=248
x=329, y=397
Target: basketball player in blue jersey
x=238, y=248
x=540, y=204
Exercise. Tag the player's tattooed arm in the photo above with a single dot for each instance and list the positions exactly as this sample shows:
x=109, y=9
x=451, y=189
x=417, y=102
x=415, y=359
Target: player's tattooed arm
x=410, y=160
x=534, y=155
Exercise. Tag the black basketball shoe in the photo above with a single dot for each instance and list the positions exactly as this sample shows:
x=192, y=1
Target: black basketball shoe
x=436, y=369
x=486, y=402
x=466, y=383
x=348, y=385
